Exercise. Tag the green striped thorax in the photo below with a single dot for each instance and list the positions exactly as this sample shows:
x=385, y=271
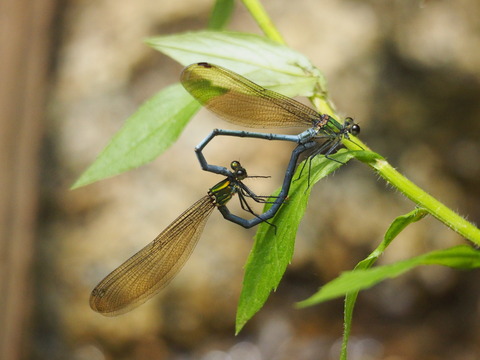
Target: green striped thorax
x=222, y=192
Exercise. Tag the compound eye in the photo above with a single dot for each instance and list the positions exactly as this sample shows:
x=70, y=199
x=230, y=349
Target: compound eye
x=355, y=130
x=241, y=173
x=235, y=165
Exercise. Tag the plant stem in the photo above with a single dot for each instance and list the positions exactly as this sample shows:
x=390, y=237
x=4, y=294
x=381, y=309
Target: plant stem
x=323, y=104
x=421, y=198
x=259, y=14
x=415, y=193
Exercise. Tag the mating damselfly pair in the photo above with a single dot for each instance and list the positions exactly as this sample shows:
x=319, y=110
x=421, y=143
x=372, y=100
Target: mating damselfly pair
x=240, y=101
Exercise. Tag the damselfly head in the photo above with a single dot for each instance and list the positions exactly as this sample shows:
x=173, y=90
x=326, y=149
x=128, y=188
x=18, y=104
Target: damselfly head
x=238, y=170
x=351, y=127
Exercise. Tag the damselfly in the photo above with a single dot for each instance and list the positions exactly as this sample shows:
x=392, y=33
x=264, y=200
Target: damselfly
x=151, y=269
x=240, y=101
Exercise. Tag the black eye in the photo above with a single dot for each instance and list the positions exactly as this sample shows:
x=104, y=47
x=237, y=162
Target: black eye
x=355, y=130
x=235, y=165
x=241, y=173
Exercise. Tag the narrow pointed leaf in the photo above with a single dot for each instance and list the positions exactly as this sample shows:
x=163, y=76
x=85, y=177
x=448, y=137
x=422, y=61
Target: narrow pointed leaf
x=272, y=252
x=397, y=226
x=459, y=257
x=145, y=135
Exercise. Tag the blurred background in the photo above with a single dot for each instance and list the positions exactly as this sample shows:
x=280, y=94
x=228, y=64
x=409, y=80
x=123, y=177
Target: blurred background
x=73, y=71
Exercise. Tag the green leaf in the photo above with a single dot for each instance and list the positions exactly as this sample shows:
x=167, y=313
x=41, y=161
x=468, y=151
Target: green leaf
x=261, y=60
x=220, y=15
x=395, y=228
x=145, y=135
x=273, y=248
x=459, y=257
